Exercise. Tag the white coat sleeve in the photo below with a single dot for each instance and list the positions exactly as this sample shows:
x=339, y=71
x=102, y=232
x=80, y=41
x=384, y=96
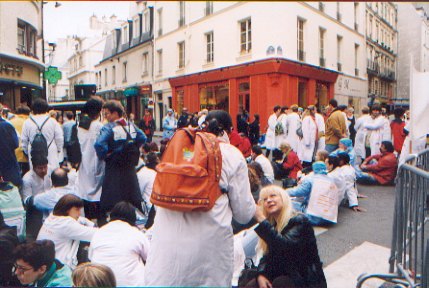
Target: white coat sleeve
x=272, y=123
x=76, y=231
x=240, y=197
x=306, y=131
x=374, y=125
x=59, y=137
x=143, y=245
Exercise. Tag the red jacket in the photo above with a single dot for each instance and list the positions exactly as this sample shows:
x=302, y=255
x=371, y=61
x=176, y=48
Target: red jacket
x=384, y=171
x=242, y=143
x=292, y=164
x=398, y=134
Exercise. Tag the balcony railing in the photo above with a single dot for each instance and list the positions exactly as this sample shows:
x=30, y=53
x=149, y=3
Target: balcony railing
x=322, y=62
x=339, y=67
x=372, y=67
x=301, y=55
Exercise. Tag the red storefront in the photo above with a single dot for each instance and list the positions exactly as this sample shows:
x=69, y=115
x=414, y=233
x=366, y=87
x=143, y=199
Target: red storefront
x=256, y=86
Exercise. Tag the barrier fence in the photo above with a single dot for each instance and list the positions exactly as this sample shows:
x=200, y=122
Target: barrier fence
x=409, y=260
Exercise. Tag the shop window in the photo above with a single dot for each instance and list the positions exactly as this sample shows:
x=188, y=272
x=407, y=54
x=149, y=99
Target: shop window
x=214, y=97
x=321, y=94
x=244, y=97
x=302, y=93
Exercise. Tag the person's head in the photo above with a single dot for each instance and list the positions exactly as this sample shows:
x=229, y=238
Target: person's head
x=132, y=117
x=113, y=110
x=69, y=115
x=312, y=110
x=277, y=208
x=184, y=111
x=218, y=122
x=344, y=158
x=40, y=165
x=294, y=108
x=375, y=110
x=68, y=205
x=59, y=178
x=319, y=168
x=386, y=146
x=93, y=107
x=254, y=179
x=350, y=111
x=322, y=155
x=147, y=113
x=40, y=106
x=399, y=113
x=23, y=110
x=365, y=110
x=256, y=117
x=333, y=104
x=258, y=169
x=170, y=112
x=285, y=147
x=342, y=108
x=285, y=109
x=277, y=110
x=124, y=211
x=333, y=162
x=256, y=151
x=93, y=275
x=152, y=160
x=33, y=260
x=345, y=144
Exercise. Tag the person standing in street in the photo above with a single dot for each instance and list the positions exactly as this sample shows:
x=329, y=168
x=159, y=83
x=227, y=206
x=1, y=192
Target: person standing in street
x=397, y=127
x=254, y=129
x=169, y=124
x=183, y=119
x=335, y=127
x=9, y=167
x=270, y=137
x=40, y=122
x=91, y=169
x=120, y=180
x=21, y=115
x=361, y=133
x=147, y=125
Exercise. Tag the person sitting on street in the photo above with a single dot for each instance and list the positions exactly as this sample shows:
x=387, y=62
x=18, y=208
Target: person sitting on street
x=379, y=169
x=335, y=173
x=93, y=275
x=260, y=158
x=241, y=141
x=121, y=246
x=35, y=265
x=291, y=164
x=346, y=145
x=8, y=242
x=304, y=190
x=66, y=228
x=287, y=241
x=46, y=201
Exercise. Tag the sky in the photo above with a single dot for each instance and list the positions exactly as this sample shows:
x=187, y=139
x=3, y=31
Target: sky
x=72, y=17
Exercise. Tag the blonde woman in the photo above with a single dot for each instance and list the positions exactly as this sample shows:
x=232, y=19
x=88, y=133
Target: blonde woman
x=93, y=275
x=290, y=254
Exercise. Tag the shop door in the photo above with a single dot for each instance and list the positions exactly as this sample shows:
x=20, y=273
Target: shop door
x=244, y=97
x=302, y=93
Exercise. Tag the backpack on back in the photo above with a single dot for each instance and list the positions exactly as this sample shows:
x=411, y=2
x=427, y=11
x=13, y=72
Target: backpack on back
x=39, y=145
x=189, y=173
x=74, y=153
x=130, y=151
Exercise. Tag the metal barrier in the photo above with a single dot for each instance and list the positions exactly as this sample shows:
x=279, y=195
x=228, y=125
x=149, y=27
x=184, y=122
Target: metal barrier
x=409, y=260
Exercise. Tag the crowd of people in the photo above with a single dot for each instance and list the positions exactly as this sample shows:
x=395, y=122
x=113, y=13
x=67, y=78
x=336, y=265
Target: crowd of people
x=76, y=195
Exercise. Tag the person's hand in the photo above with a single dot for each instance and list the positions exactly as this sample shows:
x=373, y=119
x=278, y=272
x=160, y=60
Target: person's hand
x=263, y=282
x=259, y=215
x=358, y=209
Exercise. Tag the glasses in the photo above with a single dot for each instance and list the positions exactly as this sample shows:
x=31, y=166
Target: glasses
x=16, y=268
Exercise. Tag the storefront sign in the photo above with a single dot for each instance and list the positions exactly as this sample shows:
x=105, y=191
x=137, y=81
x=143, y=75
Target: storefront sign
x=145, y=89
x=53, y=75
x=349, y=86
x=11, y=69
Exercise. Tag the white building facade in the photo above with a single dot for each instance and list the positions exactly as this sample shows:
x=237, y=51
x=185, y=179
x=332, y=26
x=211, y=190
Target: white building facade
x=21, y=57
x=254, y=55
x=413, y=29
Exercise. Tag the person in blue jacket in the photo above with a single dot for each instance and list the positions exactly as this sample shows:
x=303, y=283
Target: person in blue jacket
x=346, y=145
x=304, y=189
x=9, y=167
x=120, y=180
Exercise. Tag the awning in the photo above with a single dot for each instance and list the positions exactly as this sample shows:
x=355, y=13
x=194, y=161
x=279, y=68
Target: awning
x=19, y=83
x=131, y=91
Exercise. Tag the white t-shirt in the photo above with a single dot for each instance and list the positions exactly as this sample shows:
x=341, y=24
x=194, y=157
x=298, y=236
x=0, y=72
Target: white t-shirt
x=266, y=167
x=146, y=178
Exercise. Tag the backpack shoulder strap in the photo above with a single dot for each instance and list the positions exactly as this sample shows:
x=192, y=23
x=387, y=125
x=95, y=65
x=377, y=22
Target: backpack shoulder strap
x=43, y=124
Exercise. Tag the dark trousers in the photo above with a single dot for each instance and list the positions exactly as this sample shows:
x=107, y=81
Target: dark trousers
x=282, y=281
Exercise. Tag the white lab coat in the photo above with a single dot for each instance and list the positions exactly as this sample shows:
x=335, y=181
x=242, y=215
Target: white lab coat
x=283, y=137
x=66, y=233
x=53, y=134
x=91, y=170
x=293, y=122
x=387, y=131
x=123, y=248
x=308, y=141
x=32, y=184
x=375, y=126
x=270, y=136
x=350, y=189
x=360, y=135
x=196, y=248
x=338, y=178
x=146, y=178
x=320, y=122
x=267, y=168
x=46, y=201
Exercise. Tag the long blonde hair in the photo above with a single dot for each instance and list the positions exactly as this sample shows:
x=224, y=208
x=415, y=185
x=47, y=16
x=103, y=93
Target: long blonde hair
x=283, y=218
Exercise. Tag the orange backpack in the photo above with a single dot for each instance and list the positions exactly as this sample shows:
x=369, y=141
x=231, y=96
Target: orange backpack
x=189, y=173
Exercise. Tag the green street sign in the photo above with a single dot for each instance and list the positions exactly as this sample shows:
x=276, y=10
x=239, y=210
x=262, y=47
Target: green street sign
x=52, y=75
